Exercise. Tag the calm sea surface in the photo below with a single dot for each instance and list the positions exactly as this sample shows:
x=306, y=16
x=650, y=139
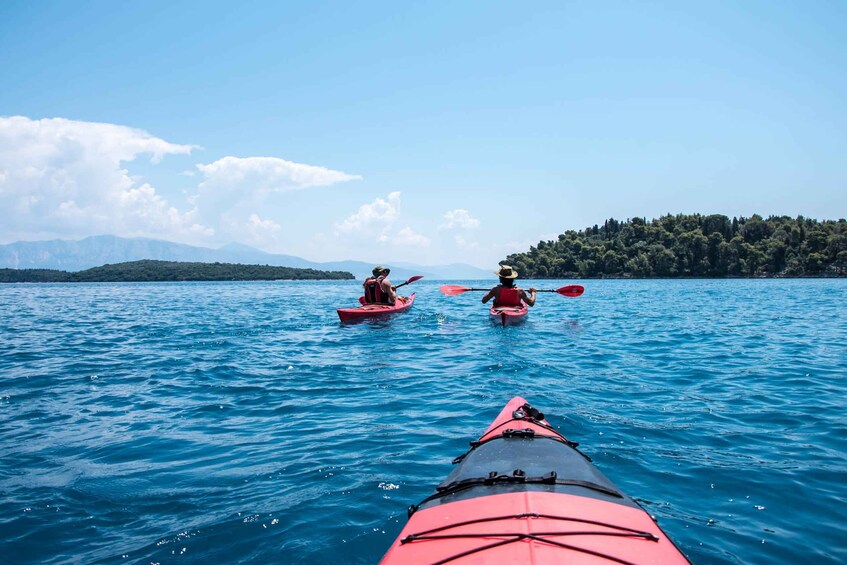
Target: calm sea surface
x=241, y=422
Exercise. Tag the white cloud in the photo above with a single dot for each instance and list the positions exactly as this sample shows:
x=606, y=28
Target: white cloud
x=66, y=177
x=376, y=222
x=260, y=230
x=458, y=218
x=407, y=237
x=266, y=174
x=379, y=212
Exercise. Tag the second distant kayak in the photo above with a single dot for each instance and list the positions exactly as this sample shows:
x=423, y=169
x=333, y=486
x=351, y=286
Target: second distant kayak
x=509, y=315
x=375, y=310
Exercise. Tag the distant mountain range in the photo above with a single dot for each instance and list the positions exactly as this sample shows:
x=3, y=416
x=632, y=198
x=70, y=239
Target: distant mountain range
x=100, y=250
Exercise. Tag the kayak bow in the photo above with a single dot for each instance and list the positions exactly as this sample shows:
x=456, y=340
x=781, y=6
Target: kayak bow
x=525, y=494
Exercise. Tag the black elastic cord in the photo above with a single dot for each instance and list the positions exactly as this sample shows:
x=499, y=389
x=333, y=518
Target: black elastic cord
x=493, y=479
x=519, y=537
x=510, y=433
x=622, y=531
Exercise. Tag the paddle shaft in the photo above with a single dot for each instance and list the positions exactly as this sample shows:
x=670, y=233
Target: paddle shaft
x=411, y=280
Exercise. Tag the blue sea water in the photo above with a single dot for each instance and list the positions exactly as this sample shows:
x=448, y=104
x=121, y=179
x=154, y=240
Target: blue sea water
x=241, y=422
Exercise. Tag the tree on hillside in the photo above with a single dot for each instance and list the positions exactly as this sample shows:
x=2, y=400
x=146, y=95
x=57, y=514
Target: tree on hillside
x=692, y=245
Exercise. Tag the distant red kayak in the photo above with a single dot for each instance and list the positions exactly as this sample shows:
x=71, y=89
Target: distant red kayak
x=508, y=315
x=525, y=494
x=375, y=310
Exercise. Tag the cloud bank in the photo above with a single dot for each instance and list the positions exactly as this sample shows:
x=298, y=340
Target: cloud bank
x=67, y=178
x=61, y=176
x=70, y=179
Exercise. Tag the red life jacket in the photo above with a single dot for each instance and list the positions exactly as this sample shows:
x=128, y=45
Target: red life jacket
x=507, y=297
x=373, y=291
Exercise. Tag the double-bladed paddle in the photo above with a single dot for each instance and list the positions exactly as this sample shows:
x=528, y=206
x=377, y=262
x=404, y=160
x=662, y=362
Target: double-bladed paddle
x=571, y=290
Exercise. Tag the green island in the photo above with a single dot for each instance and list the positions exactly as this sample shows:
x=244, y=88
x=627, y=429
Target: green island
x=692, y=245
x=163, y=271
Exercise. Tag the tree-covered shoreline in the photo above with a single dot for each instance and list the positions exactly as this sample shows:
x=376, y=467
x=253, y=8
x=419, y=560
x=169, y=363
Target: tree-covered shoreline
x=167, y=271
x=692, y=245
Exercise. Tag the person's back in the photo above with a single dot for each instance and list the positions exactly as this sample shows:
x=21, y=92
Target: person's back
x=506, y=294
x=373, y=291
x=377, y=288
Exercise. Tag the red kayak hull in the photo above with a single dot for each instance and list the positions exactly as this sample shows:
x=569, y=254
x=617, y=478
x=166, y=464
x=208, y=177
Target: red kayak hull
x=575, y=516
x=375, y=310
x=508, y=315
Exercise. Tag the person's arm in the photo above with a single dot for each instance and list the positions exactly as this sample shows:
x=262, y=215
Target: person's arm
x=528, y=298
x=489, y=296
x=389, y=289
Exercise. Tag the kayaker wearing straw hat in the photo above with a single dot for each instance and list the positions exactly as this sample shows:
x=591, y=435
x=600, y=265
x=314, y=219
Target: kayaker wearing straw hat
x=506, y=293
x=378, y=289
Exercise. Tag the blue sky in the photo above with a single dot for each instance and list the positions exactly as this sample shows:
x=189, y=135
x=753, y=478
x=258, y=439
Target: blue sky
x=426, y=132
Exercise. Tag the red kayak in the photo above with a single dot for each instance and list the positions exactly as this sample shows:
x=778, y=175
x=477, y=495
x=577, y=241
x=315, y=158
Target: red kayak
x=525, y=494
x=375, y=310
x=509, y=315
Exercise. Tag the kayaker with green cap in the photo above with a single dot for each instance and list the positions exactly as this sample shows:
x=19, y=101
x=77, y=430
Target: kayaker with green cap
x=378, y=289
x=506, y=293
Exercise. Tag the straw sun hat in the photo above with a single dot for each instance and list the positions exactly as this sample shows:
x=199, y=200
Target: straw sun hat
x=506, y=272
